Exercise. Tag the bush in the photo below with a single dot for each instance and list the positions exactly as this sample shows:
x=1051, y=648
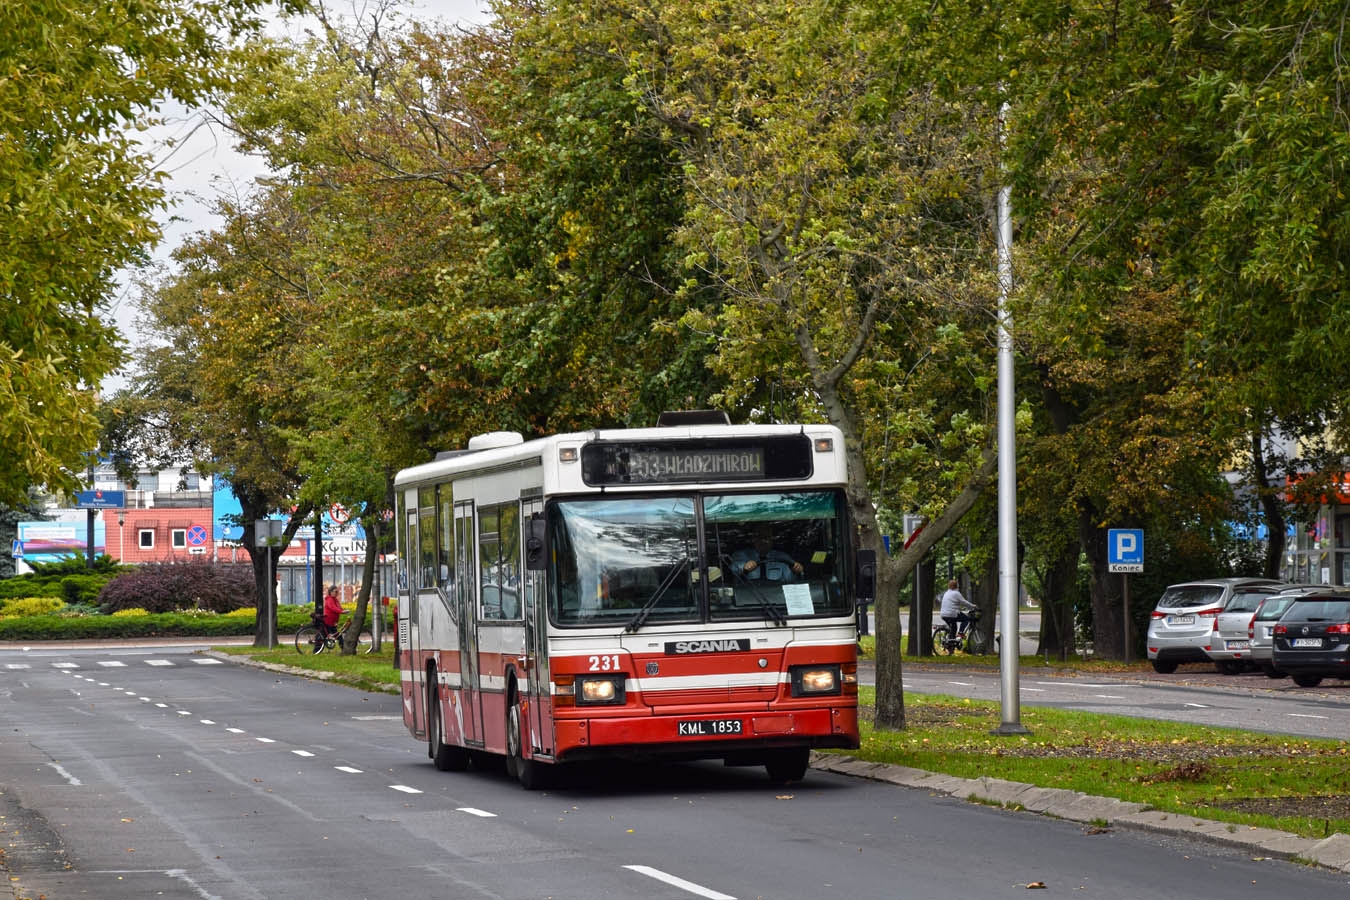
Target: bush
x=30, y=606
x=28, y=586
x=82, y=588
x=166, y=587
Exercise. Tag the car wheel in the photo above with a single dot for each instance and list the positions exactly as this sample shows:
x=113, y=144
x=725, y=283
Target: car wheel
x=1307, y=680
x=1164, y=667
x=1272, y=672
x=1227, y=667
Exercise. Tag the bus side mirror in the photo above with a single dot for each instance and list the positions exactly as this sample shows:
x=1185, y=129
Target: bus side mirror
x=534, y=543
x=867, y=575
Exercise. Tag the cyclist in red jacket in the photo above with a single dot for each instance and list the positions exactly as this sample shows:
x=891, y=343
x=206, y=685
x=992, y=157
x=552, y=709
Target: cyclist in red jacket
x=332, y=612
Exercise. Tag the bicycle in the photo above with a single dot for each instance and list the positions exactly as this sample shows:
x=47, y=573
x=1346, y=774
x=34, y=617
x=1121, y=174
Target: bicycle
x=308, y=641
x=946, y=643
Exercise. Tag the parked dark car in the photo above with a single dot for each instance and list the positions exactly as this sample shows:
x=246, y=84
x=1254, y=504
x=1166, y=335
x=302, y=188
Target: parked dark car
x=1263, y=624
x=1312, y=638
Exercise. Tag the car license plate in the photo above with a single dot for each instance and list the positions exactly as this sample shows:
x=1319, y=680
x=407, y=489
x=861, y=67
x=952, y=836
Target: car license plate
x=1306, y=642
x=1238, y=645
x=1181, y=620
x=709, y=727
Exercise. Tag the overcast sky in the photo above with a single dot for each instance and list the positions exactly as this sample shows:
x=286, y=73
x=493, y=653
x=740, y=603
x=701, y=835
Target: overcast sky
x=203, y=164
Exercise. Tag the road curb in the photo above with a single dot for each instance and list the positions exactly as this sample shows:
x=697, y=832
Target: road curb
x=1332, y=852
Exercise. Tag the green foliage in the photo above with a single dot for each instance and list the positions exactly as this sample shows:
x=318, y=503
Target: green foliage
x=28, y=586
x=82, y=589
x=77, y=200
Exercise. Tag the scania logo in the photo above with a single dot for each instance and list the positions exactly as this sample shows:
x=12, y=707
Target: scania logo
x=725, y=645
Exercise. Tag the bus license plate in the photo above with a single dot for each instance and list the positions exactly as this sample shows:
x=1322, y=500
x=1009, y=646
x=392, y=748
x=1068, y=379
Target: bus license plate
x=1307, y=642
x=709, y=727
x=1239, y=645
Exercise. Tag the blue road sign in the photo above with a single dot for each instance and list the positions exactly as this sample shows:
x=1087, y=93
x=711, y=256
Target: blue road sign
x=1125, y=549
x=100, y=499
x=196, y=535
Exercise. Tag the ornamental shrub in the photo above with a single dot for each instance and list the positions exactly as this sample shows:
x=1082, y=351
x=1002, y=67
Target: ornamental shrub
x=166, y=587
x=28, y=586
x=30, y=606
x=82, y=588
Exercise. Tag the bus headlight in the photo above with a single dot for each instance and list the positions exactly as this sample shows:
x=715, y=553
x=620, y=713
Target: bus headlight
x=600, y=690
x=809, y=681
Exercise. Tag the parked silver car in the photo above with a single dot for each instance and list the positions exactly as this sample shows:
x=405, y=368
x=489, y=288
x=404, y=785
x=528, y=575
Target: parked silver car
x=1183, y=620
x=1230, y=642
x=1264, y=622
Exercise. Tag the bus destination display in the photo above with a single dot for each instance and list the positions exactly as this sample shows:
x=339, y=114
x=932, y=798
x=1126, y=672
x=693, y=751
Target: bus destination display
x=665, y=466
x=679, y=462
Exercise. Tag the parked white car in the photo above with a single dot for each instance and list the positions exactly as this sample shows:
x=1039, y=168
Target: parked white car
x=1230, y=642
x=1183, y=620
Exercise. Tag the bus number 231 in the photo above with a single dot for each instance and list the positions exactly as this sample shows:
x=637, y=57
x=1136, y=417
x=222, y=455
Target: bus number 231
x=609, y=663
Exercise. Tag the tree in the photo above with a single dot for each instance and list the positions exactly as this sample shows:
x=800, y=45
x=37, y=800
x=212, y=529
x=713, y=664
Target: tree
x=834, y=201
x=77, y=199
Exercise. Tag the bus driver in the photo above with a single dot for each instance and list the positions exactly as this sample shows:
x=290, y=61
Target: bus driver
x=762, y=561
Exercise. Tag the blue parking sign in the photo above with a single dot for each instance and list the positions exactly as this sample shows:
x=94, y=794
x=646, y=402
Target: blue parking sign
x=1125, y=549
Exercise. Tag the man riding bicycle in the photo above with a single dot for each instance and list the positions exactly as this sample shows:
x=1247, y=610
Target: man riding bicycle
x=953, y=610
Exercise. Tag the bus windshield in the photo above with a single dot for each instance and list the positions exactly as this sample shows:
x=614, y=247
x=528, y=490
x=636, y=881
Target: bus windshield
x=636, y=560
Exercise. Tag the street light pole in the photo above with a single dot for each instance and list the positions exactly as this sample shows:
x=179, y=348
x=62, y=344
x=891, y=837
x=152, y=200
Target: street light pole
x=1007, y=473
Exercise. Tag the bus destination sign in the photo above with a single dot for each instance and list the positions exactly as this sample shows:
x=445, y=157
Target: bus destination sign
x=665, y=466
x=686, y=461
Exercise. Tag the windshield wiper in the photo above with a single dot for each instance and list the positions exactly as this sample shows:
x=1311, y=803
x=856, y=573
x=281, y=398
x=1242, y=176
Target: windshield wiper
x=770, y=610
x=641, y=616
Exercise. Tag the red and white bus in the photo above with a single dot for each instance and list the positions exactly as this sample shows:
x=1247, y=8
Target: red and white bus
x=613, y=593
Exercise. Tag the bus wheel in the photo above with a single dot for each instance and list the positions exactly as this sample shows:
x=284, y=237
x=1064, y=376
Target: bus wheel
x=788, y=765
x=531, y=774
x=446, y=757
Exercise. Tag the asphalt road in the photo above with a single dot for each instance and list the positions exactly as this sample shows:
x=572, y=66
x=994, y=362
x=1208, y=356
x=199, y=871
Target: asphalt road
x=130, y=773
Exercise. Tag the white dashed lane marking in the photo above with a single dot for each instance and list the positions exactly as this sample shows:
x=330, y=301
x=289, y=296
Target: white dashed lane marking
x=673, y=881
x=348, y=769
x=158, y=662
x=481, y=813
x=112, y=663
x=405, y=789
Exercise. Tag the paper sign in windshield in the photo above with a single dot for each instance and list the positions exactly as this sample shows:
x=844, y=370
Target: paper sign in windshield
x=798, y=598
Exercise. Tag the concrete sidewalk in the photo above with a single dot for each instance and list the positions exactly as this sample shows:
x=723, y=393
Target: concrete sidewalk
x=1332, y=852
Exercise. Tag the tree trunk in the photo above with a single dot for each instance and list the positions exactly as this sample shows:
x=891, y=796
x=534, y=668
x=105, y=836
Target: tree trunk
x=1056, y=604
x=984, y=595
x=358, y=620
x=1271, y=507
x=1108, y=635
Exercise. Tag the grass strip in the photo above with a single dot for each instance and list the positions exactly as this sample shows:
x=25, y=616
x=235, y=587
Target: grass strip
x=366, y=671
x=1229, y=775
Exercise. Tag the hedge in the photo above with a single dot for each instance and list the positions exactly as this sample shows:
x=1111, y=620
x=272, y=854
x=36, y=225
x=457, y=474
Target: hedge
x=55, y=628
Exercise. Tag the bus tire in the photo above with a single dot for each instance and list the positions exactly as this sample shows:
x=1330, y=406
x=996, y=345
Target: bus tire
x=531, y=774
x=446, y=757
x=788, y=765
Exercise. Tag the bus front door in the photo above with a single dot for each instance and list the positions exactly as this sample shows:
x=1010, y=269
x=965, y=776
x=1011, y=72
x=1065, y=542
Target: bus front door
x=536, y=646
x=471, y=693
